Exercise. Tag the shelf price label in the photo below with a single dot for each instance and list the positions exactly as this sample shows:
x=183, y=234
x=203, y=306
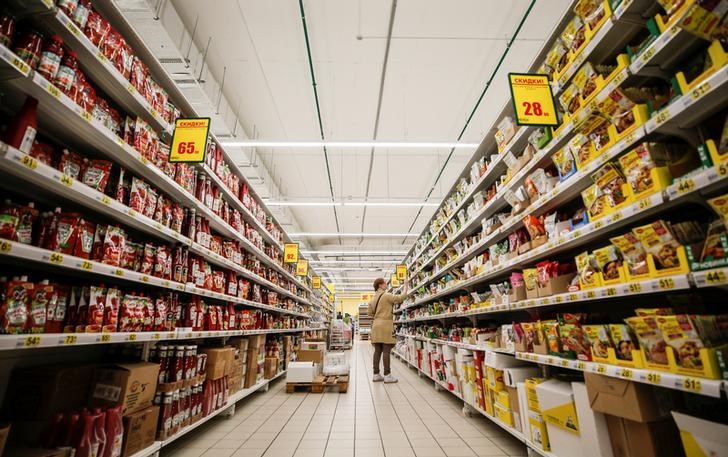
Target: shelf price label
x=532, y=99
x=635, y=288
x=69, y=339
x=666, y=284
x=189, y=140
x=29, y=162
x=692, y=385
x=5, y=246
x=685, y=185
x=66, y=180
x=715, y=277
x=29, y=341
x=700, y=90
x=55, y=258
x=654, y=378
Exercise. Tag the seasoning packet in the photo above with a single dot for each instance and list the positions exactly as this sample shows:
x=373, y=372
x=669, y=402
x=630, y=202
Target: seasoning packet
x=574, y=34
x=680, y=334
x=637, y=166
x=650, y=338
x=617, y=107
x=632, y=252
x=610, y=181
x=564, y=161
x=624, y=343
x=553, y=339
x=581, y=148
x=590, y=11
x=585, y=80
x=608, y=261
x=587, y=269
x=595, y=200
x=558, y=56
x=599, y=340
x=570, y=99
x=658, y=241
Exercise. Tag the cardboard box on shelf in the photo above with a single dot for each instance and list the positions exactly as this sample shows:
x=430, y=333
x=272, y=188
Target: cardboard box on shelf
x=643, y=439
x=630, y=400
x=537, y=433
x=131, y=385
x=314, y=346
x=557, y=285
x=701, y=437
x=38, y=393
x=301, y=372
x=255, y=341
x=512, y=376
x=271, y=367
x=253, y=374
x=315, y=356
x=140, y=429
x=503, y=414
x=240, y=343
x=495, y=379
x=556, y=399
x=594, y=432
x=218, y=361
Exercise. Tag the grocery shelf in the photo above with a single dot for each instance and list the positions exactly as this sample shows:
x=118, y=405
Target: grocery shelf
x=48, y=340
x=12, y=66
x=150, y=451
x=702, y=386
x=103, y=72
x=717, y=277
x=665, y=51
x=234, y=398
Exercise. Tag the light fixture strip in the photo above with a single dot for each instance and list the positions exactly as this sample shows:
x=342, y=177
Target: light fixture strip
x=356, y=204
x=392, y=253
x=350, y=144
x=354, y=234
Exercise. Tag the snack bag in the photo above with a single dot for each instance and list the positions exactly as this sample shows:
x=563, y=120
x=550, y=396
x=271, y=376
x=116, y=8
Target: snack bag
x=530, y=278
x=595, y=200
x=590, y=11
x=553, y=340
x=564, y=161
x=573, y=338
x=623, y=341
x=658, y=241
x=618, y=108
x=680, y=334
x=650, y=338
x=632, y=252
x=610, y=181
x=599, y=340
x=637, y=166
x=585, y=80
x=608, y=261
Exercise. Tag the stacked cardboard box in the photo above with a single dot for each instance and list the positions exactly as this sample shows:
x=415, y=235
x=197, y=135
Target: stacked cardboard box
x=255, y=360
x=240, y=355
x=270, y=367
x=219, y=361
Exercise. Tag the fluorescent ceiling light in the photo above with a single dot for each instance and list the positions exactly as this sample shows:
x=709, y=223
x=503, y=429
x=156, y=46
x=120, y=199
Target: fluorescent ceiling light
x=351, y=261
x=363, y=234
x=329, y=204
x=392, y=253
x=349, y=144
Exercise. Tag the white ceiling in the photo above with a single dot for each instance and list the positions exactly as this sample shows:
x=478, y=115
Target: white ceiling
x=441, y=55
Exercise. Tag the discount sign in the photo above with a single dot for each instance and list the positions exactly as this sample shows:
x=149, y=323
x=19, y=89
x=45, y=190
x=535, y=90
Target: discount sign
x=189, y=141
x=532, y=99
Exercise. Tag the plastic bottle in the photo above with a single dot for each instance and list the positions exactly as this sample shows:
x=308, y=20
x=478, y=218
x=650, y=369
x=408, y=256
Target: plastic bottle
x=50, y=58
x=100, y=432
x=163, y=364
x=178, y=364
x=87, y=444
x=114, y=432
x=24, y=126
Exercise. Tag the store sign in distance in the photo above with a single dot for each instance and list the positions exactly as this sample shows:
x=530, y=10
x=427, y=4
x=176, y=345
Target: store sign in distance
x=302, y=268
x=401, y=272
x=189, y=140
x=533, y=101
x=394, y=281
x=316, y=282
x=290, y=253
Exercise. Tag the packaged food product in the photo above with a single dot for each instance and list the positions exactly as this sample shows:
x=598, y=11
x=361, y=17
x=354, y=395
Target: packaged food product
x=535, y=226
x=67, y=72
x=28, y=47
x=96, y=174
x=111, y=310
x=151, y=205
x=574, y=342
x=85, y=241
x=608, y=262
x=15, y=310
x=569, y=99
x=114, y=242
x=558, y=57
x=506, y=130
x=149, y=259
x=617, y=107
x=63, y=239
x=623, y=341
x=632, y=252
x=70, y=164
x=595, y=200
x=162, y=264
x=80, y=15
x=596, y=128
x=642, y=312
x=50, y=58
x=590, y=11
x=581, y=148
x=22, y=130
x=680, y=334
x=637, y=166
x=40, y=300
x=599, y=340
x=573, y=34
x=553, y=340
x=650, y=338
x=658, y=241
x=610, y=181
x=26, y=217
x=128, y=257
x=585, y=80
x=7, y=29
x=586, y=269
x=96, y=309
x=97, y=28
x=44, y=152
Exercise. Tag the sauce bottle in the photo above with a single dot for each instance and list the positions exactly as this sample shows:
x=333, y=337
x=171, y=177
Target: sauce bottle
x=50, y=58
x=24, y=126
x=28, y=47
x=7, y=29
x=178, y=365
x=163, y=364
x=80, y=16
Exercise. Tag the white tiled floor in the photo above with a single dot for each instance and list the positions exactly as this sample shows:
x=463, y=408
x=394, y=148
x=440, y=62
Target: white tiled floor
x=371, y=420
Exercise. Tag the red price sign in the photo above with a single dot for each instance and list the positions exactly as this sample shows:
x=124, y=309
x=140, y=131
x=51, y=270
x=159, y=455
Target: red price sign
x=189, y=141
x=533, y=101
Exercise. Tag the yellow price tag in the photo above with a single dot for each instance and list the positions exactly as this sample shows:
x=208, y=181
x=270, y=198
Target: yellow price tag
x=610, y=292
x=666, y=283
x=598, y=225
x=132, y=337
x=700, y=90
x=118, y=272
x=20, y=65
x=31, y=341
x=559, y=299
x=145, y=278
x=70, y=339
x=564, y=363
x=692, y=385
x=532, y=99
x=54, y=91
x=72, y=28
x=100, y=55
x=654, y=378
x=591, y=294
x=86, y=115
x=601, y=369
x=29, y=162
x=645, y=203
x=626, y=373
x=5, y=246
x=647, y=55
x=577, y=234
x=156, y=336
x=635, y=287
x=662, y=117
x=105, y=338
x=715, y=277
x=189, y=140
x=66, y=180
x=685, y=185
x=580, y=366
x=131, y=213
x=616, y=216
x=106, y=200
x=573, y=297
x=56, y=258
x=86, y=265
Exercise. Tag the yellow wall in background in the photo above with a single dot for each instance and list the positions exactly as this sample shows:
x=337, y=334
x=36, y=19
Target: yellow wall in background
x=348, y=305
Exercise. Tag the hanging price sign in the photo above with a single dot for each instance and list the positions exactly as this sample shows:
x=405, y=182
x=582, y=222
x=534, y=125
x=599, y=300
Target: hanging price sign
x=332, y=288
x=532, y=99
x=367, y=297
x=393, y=281
x=316, y=282
x=189, y=141
x=401, y=272
x=290, y=252
x=302, y=268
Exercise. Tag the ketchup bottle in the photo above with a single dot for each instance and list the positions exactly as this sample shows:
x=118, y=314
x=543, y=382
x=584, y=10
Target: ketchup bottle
x=22, y=129
x=88, y=444
x=178, y=364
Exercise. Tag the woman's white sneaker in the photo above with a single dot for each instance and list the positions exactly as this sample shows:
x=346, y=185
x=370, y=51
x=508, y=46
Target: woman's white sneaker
x=389, y=379
x=378, y=378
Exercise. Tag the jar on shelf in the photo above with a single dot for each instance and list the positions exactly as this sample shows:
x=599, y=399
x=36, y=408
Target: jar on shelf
x=66, y=76
x=7, y=29
x=50, y=58
x=67, y=6
x=80, y=15
x=28, y=47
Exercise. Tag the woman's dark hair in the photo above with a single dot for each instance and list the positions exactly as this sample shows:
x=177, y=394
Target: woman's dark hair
x=378, y=282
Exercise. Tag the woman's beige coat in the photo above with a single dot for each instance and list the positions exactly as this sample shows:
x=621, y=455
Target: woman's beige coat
x=383, y=324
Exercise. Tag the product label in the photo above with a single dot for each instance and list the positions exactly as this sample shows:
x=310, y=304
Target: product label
x=28, y=138
x=107, y=392
x=564, y=417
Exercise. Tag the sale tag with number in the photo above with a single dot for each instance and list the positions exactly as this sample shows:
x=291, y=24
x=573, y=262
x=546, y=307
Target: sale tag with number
x=189, y=140
x=532, y=99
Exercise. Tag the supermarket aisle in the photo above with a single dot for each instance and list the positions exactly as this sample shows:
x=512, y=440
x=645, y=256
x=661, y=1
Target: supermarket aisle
x=371, y=420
